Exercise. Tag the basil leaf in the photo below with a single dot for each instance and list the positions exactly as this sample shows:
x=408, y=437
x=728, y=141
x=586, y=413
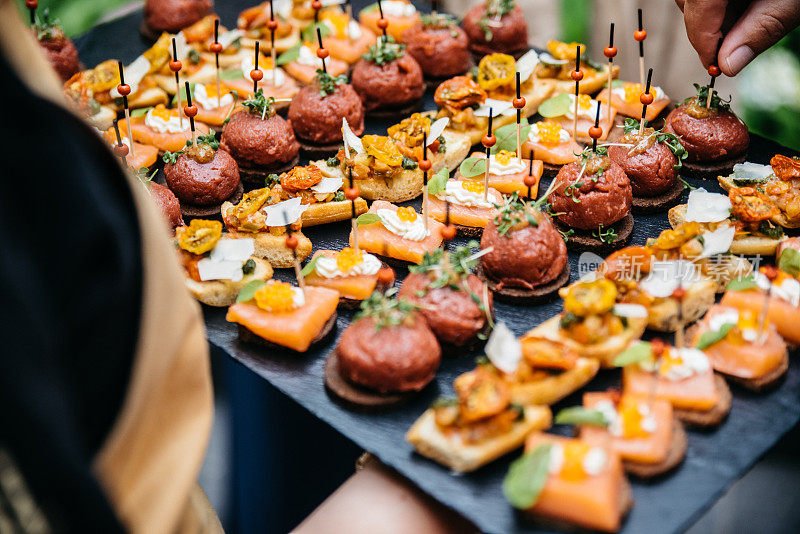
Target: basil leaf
x=290, y=55
x=578, y=415
x=438, y=183
x=368, y=218
x=230, y=74
x=789, y=261
x=615, y=84
x=742, y=284
x=555, y=107
x=507, y=136
x=710, y=337
x=141, y=112
x=310, y=266
x=248, y=292
x=472, y=167
x=633, y=354
x=526, y=477
x=309, y=33
x=183, y=93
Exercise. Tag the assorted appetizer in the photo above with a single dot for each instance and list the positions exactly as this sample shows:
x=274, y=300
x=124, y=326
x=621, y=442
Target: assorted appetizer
x=399, y=15
x=213, y=108
x=592, y=201
x=278, y=315
x=355, y=274
x=59, y=49
x=167, y=203
x=172, y=16
x=202, y=177
x=509, y=174
x=267, y=224
x=462, y=202
x=584, y=484
x=525, y=258
x=165, y=128
x=439, y=45
x=217, y=268
x=304, y=67
x=592, y=325
x=477, y=426
x=254, y=23
x=387, y=353
x=559, y=61
x=496, y=26
x=751, y=354
x=272, y=81
x=714, y=137
x=346, y=39
x=456, y=303
x=446, y=149
x=561, y=110
x=682, y=376
x=625, y=99
x=397, y=232
x=552, y=144
x=142, y=155
x=261, y=141
x=388, y=80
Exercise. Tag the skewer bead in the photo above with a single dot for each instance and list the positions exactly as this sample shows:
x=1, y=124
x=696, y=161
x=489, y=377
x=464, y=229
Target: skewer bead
x=640, y=35
x=175, y=65
x=610, y=51
x=256, y=75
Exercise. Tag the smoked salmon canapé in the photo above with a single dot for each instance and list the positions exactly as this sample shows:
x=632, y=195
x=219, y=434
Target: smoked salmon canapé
x=139, y=155
x=507, y=172
x=642, y=430
x=783, y=310
x=470, y=209
x=280, y=314
x=477, y=426
x=166, y=129
x=561, y=109
x=682, y=376
x=397, y=232
x=351, y=271
x=215, y=267
x=304, y=68
x=551, y=143
x=259, y=216
x=739, y=347
x=625, y=99
x=401, y=15
x=584, y=484
x=275, y=83
x=348, y=40
x=212, y=107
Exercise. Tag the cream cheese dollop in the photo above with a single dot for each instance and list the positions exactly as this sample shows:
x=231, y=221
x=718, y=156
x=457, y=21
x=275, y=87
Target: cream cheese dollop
x=455, y=193
x=620, y=92
x=514, y=166
x=210, y=102
x=693, y=361
x=248, y=65
x=589, y=113
x=307, y=57
x=396, y=8
x=411, y=230
x=327, y=267
x=173, y=125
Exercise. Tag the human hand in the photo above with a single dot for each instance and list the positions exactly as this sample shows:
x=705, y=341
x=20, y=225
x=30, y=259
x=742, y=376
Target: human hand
x=749, y=28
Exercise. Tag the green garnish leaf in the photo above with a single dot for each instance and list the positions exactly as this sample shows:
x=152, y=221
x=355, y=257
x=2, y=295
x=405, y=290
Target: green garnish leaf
x=309, y=33
x=310, y=266
x=438, y=182
x=385, y=51
x=230, y=74
x=328, y=83
x=258, y=104
x=140, y=112
x=290, y=55
x=634, y=354
x=742, y=284
x=248, y=292
x=789, y=261
x=578, y=415
x=385, y=310
x=183, y=93
x=472, y=167
x=710, y=337
x=368, y=218
x=556, y=106
x=507, y=136
x=526, y=477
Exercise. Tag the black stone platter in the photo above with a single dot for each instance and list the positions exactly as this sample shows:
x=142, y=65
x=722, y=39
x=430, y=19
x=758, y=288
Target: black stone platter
x=715, y=459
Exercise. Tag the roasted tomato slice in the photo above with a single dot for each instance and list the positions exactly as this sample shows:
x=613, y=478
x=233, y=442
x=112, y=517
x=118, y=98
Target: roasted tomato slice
x=458, y=93
x=300, y=178
x=250, y=203
x=785, y=167
x=481, y=394
x=629, y=263
x=496, y=70
x=382, y=149
x=200, y=236
x=411, y=130
x=751, y=205
x=675, y=238
x=561, y=50
x=590, y=298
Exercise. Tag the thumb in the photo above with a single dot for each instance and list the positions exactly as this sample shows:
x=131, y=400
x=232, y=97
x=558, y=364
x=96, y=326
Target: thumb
x=762, y=25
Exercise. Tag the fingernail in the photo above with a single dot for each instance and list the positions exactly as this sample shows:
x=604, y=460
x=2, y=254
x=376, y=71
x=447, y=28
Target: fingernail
x=739, y=58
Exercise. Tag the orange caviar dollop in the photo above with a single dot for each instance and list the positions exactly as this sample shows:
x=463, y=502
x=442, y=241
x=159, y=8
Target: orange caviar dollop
x=407, y=214
x=574, y=454
x=633, y=90
x=504, y=156
x=275, y=297
x=631, y=418
x=349, y=258
x=671, y=358
x=162, y=112
x=473, y=186
x=549, y=133
x=211, y=90
x=584, y=101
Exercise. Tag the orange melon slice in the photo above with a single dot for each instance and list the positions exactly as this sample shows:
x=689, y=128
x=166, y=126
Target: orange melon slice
x=375, y=238
x=652, y=449
x=295, y=329
x=356, y=287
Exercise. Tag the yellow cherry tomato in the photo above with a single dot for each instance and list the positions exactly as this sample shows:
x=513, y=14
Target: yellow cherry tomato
x=496, y=70
x=200, y=236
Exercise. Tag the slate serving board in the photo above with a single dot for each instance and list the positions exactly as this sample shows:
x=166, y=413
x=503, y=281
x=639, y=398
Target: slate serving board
x=715, y=459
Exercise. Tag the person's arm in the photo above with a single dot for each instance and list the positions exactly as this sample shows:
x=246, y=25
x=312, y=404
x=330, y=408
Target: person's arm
x=749, y=28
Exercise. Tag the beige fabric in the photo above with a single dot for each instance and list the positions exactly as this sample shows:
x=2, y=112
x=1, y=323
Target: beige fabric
x=150, y=460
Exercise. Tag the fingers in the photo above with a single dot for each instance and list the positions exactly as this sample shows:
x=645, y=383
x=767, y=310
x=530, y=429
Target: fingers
x=762, y=25
x=704, y=20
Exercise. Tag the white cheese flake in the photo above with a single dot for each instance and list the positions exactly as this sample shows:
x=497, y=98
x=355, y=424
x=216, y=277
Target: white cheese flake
x=504, y=349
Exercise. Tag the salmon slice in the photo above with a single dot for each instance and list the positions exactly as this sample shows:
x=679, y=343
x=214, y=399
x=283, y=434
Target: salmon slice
x=142, y=156
x=697, y=392
x=594, y=502
x=508, y=183
x=295, y=329
x=585, y=123
x=647, y=450
x=350, y=51
x=783, y=315
x=356, y=287
x=633, y=110
x=165, y=142
x=397, y=25
x=214, y=117
x=473, y=216
x=376, y=239
x=244, y=88
x=742, y=359
x=305, y=73
x=559, y=154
